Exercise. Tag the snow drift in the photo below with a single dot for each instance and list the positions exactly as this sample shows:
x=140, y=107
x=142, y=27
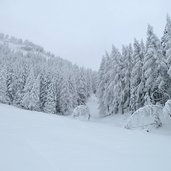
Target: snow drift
x=146, y=116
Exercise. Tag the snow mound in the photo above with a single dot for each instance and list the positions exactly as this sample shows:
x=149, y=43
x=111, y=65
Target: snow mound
x=82, y=112
x=167, y=109
x=145, y=117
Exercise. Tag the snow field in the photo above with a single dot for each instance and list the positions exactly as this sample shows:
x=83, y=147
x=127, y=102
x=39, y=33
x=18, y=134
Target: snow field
x=38, y=141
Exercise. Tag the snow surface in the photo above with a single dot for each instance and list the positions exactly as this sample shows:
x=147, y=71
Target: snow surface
x=93, y=106
x=33, y=141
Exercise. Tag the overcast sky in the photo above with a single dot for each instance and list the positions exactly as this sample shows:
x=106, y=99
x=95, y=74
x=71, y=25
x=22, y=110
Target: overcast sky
x=81, y=30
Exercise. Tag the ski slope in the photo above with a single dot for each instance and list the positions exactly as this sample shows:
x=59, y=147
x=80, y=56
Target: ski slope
x=33, y=141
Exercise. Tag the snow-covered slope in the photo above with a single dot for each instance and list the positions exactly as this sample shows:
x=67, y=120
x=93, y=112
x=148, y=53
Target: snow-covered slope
x=33, y=141
x=24, y=47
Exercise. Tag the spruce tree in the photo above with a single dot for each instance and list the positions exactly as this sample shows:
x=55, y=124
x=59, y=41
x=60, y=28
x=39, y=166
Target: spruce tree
x=81, y=88
x=50, y=104
x=153, y=63
x=136, y=76
x=65, y=99
x=3, y=85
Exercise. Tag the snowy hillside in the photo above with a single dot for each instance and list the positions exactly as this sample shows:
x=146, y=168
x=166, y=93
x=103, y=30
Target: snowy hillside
x=34, y=79
x=25, y=47
x=33, y=141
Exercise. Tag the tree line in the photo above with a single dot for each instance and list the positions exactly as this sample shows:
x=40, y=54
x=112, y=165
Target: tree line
x=138, y=75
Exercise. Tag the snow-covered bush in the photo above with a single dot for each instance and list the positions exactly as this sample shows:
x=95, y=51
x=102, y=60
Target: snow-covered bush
x=167, y=108
x=81, y=112
x=145, y=117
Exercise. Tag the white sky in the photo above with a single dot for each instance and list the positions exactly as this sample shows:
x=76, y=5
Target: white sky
x=81, y=30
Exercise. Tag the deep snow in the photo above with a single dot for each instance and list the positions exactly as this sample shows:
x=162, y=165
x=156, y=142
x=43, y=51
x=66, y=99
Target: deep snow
x=33, y=141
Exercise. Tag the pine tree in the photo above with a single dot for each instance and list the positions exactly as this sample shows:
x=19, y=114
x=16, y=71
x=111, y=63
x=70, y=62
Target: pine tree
x=29, y=81
x=112, y=96
x=50, y=104
x=81, y=88
x=11, y=84
x=65, y=99
x=108, y=73
x=27, y=89
x=153, y=64
x=3, y=85
x=94, y=79
x=35, y=95
x=89, y=82
x=166, y=39
x=137, y=76
x=44, y=82
x=102, y=84
x=73, y=90
x=128, y=65
x=31, y=99
x=20, y=72
x=166, y=44
x=141, y=87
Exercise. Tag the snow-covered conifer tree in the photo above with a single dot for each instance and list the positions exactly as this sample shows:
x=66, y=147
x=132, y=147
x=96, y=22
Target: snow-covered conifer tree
x=166, y=44
x=50, y=104
x=113, y=90
x=102, y=81
x=73, y=90
x=3, y=85
x=44, y=82
x=81, y=88
x=65, y=99
x=11, y=83
x=21, y=74
x=137, y=76
x=27, y=89
x=126, y=88
x=153, y=64
x=166, y=38
x=31, y=98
